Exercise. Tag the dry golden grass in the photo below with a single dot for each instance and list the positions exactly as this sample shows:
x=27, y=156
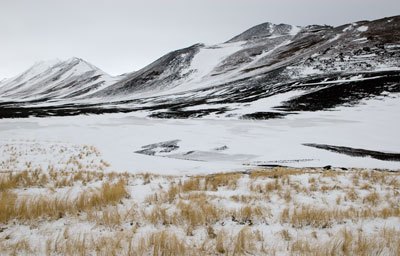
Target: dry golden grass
x=166, y=243
x=212, y=182
x=266, y=187
x=218, y=214
x=386, y=241
x=227, y=180
x=372, y=198
x=324, y=218
x=193, y=198
x=10, y=180
x=15, y=247
x=279, y=172
x=49, y=179
x=346, y=242
x=66, y=243
x=199, y=213
x=244, y=243
x=352, y=195
x=221, y=237
x=251, y=214
x=34, y=207
x=285, y=235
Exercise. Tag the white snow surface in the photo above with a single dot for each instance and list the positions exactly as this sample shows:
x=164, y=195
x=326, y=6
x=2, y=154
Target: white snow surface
x=362, y=28
x=372, y=125
x=203, y=64
x=295, y=30
x=209, y=57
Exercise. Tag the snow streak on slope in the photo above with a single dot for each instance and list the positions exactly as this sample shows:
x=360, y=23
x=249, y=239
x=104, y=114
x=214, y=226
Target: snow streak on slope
x=204, y=63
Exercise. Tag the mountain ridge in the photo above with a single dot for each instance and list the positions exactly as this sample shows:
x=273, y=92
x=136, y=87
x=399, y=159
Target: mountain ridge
x=263, y=61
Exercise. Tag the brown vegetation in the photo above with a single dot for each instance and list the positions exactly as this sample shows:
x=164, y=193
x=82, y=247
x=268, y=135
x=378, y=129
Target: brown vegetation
x=266, y=212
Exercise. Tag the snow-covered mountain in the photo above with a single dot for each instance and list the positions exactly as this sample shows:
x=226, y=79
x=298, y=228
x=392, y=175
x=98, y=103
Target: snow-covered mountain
x=268, y=71
x=55, y=80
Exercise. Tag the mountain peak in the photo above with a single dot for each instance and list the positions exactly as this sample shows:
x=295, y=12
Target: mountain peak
x=75, y=59
x=264, y=30
x=82, y=64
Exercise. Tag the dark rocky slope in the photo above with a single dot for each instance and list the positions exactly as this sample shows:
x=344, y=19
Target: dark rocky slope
x=327, y=67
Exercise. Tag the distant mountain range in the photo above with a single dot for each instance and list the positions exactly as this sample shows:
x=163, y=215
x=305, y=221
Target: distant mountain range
x=269, y=70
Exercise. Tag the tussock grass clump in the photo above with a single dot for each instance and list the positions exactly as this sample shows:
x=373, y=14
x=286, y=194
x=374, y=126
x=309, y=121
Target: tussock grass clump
x=22, y=208
x=309, y=216
x=323, y=218
x=21, y=246
x=24, y=179
x=85, y=243
x=244, y=242
x=372, y=198
x=278, y=172
x=221, y=238
x=347, y=242
x=251, y=214
x=212, y=182
x=198, y=213
x=194, y=184
x=166, y=243
x=267, y=187
x=227, y=180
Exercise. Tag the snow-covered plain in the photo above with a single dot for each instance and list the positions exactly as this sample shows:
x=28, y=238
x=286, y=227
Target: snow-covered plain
x=372, y=125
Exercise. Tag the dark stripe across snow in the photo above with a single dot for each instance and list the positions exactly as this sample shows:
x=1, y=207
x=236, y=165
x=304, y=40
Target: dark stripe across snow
x=357, y=152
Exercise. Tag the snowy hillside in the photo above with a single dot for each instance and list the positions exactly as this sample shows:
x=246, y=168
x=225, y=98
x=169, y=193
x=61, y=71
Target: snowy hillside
x=300, y=84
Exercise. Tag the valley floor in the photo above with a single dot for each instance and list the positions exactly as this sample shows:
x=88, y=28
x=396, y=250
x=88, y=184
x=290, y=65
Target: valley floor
x=132, y=143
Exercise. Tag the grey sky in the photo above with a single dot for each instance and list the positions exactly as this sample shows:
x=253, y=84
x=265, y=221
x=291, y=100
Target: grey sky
x=121, y=36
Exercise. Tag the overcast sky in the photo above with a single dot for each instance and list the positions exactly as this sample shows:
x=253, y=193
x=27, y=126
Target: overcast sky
x=120, y=36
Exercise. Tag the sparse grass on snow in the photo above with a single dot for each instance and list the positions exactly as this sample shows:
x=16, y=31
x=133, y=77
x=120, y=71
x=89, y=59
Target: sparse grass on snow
x=75, y=205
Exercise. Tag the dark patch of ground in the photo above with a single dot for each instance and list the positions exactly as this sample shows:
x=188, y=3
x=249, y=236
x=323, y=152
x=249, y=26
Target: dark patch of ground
x=183, y=114
x=343, y=93
x=24, y=112
x=358, y=152
x=264, y=115
x=225, y=147
x=163, y=147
